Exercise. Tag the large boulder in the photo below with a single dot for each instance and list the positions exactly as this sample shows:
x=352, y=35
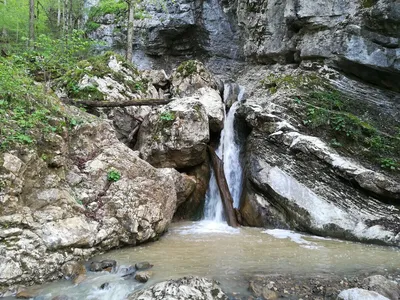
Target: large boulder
x=100, y=195
x=194, y=288
x=189, y=77
x=175, y=135
x=383, y=286
x=300, y=181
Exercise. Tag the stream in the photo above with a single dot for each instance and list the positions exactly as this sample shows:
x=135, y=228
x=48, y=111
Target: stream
x=231, y=256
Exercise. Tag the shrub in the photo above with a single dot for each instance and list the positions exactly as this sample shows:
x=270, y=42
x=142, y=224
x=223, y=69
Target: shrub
x=113, y=175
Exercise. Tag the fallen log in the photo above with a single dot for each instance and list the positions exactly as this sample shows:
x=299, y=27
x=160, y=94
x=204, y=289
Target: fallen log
x=226, y=196
x=137, y=102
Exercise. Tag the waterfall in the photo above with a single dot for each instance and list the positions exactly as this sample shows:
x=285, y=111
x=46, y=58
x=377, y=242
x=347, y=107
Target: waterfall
x=228, y=151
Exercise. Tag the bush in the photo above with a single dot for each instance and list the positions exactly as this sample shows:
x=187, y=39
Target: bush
x=113, y=175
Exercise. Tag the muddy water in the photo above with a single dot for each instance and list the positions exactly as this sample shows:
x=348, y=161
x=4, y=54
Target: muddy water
x=231, y=256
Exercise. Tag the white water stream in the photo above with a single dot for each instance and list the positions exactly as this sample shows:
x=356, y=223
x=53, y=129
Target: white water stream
x=229, y=152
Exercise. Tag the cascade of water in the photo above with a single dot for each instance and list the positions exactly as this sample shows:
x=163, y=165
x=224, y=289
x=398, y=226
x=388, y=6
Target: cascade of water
x=228, y=150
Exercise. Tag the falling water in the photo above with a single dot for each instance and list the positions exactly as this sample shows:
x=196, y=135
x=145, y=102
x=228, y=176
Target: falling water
x=228, y=151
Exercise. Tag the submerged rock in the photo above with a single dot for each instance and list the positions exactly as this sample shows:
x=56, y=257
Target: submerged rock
x=143, y=276
x=143, y=265
x=360, y=294
x=194, y=288
x=105, y=265
x=24, y=295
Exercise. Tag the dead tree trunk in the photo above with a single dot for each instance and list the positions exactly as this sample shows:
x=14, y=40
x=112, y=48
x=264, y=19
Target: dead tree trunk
x=139, y=102
x=226, y=197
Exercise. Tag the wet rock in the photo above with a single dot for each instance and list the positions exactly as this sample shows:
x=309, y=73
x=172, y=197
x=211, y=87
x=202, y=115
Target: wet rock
x=194, y=288
x=192, y=209
x=175, y=135
x=128, y=271
x=61, y=297
x=143, y=276
x=143, y=266
x=73, y=270
x=102, y=266
x=383, y=286
x=24, y=295
x=105, y=286
x=360, y=294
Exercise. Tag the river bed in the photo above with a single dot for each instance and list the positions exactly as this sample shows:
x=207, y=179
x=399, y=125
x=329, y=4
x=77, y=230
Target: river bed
x=231, y=256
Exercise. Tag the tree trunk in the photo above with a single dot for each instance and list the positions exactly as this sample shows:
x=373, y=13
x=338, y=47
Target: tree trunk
x=226, y=196
x=58, y=13
x=129, y=38
x=139, y=102
x=31, y=22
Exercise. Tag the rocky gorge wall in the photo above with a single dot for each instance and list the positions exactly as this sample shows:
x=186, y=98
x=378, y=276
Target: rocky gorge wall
x=360, y=37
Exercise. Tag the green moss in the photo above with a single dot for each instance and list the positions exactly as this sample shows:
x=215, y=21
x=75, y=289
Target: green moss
x=274, y=82
x=368, y=3
x=187, y=68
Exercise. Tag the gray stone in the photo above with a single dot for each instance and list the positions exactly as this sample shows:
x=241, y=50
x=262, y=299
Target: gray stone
x=48, y=222
x=143, y=276
x=383, y=286
x=194, y=288
x=176, y=135
x=360, y=294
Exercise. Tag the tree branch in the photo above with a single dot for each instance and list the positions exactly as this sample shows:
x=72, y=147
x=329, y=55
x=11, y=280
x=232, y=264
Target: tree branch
x=138, y=102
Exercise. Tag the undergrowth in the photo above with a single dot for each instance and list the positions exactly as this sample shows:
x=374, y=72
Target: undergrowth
x=348, y=124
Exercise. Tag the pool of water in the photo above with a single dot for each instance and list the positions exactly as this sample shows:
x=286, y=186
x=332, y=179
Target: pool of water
x=231, y=256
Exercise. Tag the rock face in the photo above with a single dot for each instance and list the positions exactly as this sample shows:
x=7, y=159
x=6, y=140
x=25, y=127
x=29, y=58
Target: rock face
x=194, y=288
x=359, y=37
x=175, y=135
x=296, y=180
x=52, y=214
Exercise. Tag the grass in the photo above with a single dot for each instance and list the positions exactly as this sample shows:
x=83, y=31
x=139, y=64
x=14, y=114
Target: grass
x=330, y=114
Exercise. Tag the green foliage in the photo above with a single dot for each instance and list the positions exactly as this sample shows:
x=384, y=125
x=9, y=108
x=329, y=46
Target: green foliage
x=105, y=7
x=389, y=163
x=327, y=111
x=113, y=175
x=97, y=66
x=51, y=58
x=26, y=111
x=167, y=116
x=92, y=26
x=187, y=68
